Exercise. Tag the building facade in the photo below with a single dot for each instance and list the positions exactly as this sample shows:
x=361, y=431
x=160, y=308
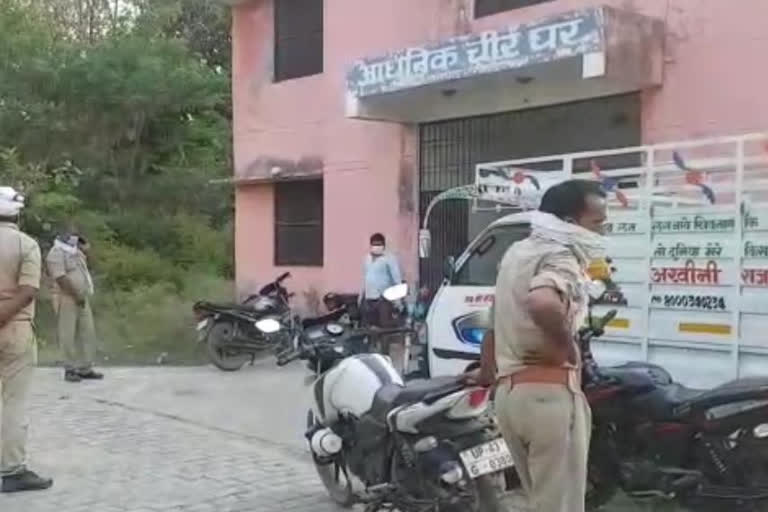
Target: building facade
x=351, y=115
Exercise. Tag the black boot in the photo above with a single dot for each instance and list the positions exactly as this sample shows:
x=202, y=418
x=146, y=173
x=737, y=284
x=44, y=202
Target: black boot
x=72, y=376
x=91, y=374
x=25, y=481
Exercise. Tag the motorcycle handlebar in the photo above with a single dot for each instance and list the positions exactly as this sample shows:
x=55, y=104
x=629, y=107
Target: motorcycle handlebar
x=607, y=319
x=283, y=277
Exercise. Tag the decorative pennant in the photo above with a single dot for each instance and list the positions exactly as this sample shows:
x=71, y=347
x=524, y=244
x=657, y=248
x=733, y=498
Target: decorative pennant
x=520, y=176
x=694, y=177
x=610, y=185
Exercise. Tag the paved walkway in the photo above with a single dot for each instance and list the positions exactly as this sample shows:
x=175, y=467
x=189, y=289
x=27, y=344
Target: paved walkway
x=172, y=439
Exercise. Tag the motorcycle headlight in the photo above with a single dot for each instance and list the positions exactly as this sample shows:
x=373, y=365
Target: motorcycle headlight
x=334, y=329
x=268, y=325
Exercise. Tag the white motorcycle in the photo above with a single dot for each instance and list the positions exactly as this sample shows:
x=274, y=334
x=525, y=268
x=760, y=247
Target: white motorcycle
x=424, y=446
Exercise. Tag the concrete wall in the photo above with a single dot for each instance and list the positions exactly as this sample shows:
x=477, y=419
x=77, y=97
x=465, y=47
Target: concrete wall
x=714, y=83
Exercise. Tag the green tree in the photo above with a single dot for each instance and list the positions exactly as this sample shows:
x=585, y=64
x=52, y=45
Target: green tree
x=115, y=114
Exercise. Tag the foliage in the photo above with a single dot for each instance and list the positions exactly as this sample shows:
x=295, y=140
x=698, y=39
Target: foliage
x=115, y=115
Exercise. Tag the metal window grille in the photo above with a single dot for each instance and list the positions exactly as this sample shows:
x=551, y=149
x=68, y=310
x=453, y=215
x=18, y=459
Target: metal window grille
x=450, y=150
x=299, y=223
x=298, y=38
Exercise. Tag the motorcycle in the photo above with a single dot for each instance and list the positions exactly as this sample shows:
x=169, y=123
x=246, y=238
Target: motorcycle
x=229, y=330
x=655, y=438
x=424, y=446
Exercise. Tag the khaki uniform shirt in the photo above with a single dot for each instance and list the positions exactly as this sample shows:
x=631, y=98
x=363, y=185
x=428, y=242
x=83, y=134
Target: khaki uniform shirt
x=529, y=264
x=19, y=266
x=73, y=265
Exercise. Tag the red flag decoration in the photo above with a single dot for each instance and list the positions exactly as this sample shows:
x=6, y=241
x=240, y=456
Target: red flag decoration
x=520, y=176
x=694, y=177
x=610, y=185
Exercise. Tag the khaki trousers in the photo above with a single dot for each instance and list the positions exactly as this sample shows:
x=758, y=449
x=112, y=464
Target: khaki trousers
x=17, y=360
x=75, y=331
x=547, y=428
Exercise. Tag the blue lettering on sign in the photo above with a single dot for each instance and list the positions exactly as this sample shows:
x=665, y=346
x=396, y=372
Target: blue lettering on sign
x=567, y=35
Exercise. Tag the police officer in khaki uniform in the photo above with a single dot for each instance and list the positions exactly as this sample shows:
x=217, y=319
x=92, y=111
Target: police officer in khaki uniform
x=541, y=301
x=72, y=290
x=19, y=284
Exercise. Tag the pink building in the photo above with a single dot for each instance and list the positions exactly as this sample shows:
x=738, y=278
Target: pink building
x=350, y=115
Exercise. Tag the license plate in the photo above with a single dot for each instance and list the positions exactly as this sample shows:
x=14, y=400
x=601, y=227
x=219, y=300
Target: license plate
x=487, y=458
x=202, y=324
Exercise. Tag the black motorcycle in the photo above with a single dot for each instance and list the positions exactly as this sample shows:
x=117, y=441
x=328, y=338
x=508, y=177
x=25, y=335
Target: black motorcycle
x=654, y=438
x=229, y=330
x=424, y=446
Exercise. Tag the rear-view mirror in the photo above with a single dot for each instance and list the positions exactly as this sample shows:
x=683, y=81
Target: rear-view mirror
x=425, y=243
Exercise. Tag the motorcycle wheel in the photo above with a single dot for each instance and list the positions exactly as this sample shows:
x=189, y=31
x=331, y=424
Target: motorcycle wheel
x=225, y=360
x=335, y=476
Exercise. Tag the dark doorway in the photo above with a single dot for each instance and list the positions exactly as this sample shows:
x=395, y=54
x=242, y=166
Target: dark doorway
x=449, y=151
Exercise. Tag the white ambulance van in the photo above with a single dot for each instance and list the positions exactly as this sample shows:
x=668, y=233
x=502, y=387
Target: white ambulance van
x=688, y=235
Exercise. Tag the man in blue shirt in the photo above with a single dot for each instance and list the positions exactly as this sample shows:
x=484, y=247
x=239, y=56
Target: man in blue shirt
x=380, y=271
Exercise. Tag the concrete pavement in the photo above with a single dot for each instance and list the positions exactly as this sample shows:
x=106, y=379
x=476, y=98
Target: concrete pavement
x=173, y=439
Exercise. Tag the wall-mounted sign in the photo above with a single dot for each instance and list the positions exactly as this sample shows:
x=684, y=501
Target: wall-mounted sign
x=756, y=249
x=692, y=301
x=695, y=224
x=754, y=276
x=756, y=220
x=564, y=36
x=708, y=274
x=681, y=250
x=624, y=228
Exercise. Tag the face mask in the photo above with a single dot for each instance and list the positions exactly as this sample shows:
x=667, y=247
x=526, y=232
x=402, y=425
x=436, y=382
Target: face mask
x=377, y=250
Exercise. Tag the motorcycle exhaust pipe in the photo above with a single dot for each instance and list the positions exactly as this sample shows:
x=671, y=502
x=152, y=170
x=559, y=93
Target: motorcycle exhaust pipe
x=325, y=443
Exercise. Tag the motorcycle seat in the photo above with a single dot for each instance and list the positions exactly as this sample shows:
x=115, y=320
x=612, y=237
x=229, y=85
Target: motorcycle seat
x=418, y=390
x=734, y=391
x=665, y=400
x=333, y=316
x=223, y=306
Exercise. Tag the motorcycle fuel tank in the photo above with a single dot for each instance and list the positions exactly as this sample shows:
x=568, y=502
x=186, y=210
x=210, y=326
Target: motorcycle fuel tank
x=350, y=386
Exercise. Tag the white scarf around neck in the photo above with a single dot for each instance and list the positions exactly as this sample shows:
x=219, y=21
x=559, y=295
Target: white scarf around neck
x=587, y=244
x=64, y=246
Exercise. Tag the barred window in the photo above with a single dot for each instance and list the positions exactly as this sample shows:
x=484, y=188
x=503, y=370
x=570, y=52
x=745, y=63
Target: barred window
x=299, y=223
x=298, y=38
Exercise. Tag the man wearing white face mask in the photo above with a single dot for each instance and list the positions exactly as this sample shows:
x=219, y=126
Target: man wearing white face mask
x=72, y=291
x=541, y=301
x=380, y=271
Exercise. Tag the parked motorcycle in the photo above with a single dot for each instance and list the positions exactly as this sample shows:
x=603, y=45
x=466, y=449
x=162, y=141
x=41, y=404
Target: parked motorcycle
x=654, y=438
x=423, y=446
x=229, y=330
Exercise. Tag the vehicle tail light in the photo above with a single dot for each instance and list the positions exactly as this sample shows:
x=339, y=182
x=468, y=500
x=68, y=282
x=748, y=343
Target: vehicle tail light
x=473, y=403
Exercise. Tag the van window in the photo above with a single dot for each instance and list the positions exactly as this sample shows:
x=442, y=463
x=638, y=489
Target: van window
x=481, y=267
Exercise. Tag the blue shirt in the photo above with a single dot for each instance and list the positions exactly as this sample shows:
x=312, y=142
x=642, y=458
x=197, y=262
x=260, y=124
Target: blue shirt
x=380, y=273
